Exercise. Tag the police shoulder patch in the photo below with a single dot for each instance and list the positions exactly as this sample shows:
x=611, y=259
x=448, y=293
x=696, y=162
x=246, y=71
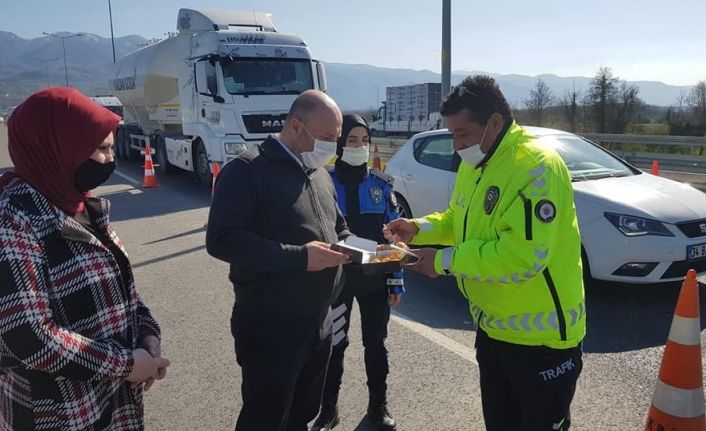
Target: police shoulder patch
x=545, y=211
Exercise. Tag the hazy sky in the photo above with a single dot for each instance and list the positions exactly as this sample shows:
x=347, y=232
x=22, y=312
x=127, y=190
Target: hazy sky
x=639, y=39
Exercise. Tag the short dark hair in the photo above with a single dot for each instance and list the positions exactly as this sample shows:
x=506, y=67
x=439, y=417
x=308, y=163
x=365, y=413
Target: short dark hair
x=481, y=96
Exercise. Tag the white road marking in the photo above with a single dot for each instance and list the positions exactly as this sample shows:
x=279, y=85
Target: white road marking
x=435, y=337
x=127, y=178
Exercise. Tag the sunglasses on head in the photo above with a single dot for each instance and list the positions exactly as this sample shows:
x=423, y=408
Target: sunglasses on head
x=461, y=91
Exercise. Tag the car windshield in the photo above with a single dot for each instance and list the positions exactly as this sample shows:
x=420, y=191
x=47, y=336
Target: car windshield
x=585, y=160
x=245, y=76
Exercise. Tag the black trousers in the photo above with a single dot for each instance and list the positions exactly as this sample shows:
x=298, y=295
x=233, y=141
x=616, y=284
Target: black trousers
x=283, y=361
x=374, y=316
x=526, y=388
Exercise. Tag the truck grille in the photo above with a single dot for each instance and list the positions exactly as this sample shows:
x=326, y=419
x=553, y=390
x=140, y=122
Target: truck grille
x=693, y=229
x=264, y=123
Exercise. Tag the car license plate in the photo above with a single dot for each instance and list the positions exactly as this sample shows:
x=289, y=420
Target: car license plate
x=696, y=251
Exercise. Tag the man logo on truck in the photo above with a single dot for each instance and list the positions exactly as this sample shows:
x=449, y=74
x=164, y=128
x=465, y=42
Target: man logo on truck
x=272, y=123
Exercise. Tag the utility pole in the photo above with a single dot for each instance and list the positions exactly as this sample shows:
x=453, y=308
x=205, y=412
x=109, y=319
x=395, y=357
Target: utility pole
x=445, y=50
x=63, y=47
x=46, y=66
x=112, y=38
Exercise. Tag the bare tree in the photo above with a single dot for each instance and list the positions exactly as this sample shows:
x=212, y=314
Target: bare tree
x=570, y=107
x=697, y=100
x=602, y=94
x=540, y=99
x=628, y=103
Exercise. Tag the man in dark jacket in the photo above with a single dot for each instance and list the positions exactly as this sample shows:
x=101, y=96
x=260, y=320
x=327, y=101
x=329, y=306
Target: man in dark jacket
x=273, y=218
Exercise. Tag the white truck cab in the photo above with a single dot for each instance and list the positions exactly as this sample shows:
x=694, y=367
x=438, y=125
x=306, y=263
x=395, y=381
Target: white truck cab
x=224, y=82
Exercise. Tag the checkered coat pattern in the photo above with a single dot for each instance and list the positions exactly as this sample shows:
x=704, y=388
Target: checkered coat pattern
x=68, y=321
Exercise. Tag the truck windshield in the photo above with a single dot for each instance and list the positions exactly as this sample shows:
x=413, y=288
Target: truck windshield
x=246, y=76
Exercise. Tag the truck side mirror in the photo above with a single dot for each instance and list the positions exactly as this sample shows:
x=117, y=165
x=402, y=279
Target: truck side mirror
x=321, y=75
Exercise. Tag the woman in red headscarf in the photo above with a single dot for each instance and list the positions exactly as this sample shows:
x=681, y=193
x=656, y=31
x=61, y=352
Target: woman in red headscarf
x=77, y=344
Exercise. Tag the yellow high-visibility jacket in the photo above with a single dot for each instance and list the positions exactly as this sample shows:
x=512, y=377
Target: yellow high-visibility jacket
x=515, y=244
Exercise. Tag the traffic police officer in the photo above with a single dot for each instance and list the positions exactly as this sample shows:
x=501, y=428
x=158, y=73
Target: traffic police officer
x=516, y=255
x=367, y=202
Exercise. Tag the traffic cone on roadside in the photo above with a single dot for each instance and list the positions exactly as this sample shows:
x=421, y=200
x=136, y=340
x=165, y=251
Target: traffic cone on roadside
x=150, y=180
x=655, y=168
x=216, y=170
x=678, y=401
x=376, y=158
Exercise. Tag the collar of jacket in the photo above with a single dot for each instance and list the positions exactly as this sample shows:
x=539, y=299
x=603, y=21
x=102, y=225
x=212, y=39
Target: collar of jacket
x=271, y=149
x=502, y=141
x=46, y=218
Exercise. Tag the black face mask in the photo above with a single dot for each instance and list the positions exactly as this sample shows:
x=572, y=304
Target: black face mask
x=91, y=174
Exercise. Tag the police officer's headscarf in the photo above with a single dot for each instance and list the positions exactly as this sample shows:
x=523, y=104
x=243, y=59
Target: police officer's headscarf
x=346, y=173
x=350, y=121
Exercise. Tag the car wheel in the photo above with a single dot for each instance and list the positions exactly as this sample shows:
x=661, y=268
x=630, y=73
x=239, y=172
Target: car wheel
x=202, y=167
x=403, y=206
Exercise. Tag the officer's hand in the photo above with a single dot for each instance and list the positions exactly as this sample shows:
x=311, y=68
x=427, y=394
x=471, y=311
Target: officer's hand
x=400, y=230
x=425, y=264
x=320, y=256
x=394, y=299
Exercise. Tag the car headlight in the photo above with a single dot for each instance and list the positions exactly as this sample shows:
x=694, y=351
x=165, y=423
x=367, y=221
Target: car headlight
x=235, y=147
x=637, y=226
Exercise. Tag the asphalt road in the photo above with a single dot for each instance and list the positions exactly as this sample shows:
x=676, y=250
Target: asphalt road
x=434, y=377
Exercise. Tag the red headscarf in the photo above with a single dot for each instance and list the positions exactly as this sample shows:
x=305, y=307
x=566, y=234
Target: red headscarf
x=51, y=134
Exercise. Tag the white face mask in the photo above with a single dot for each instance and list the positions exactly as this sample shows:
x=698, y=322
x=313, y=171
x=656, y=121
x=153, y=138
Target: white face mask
x=473, y=154
x=356, y=156
x=322, y=153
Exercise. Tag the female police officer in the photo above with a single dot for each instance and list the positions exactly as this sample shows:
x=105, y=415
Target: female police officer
x=367, y=202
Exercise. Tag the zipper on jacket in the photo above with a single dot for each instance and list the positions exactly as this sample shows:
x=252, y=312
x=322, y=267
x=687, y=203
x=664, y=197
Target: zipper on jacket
x=528, y=215
x=557, y=303
x=468, y=208
x=317, y=208
x=465, y=221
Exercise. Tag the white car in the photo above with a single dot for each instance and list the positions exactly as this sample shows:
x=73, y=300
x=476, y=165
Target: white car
x=635, y=227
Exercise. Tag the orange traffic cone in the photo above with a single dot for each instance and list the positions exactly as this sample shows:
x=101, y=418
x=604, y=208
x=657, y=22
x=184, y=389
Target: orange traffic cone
x=150, y=178
x=376, y=158
x=216, y=170
x=678, y=401
x=655, y=168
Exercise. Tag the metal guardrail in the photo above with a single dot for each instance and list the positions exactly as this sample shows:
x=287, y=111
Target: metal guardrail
x=609, y=138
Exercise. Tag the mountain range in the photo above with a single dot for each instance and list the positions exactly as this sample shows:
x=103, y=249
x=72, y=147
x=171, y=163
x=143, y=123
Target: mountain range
x=29, y=64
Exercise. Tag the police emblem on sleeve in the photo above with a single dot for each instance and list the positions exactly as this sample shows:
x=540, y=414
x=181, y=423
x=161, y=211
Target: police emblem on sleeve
x=376, y=194
x=491, y=199
x=545, y=211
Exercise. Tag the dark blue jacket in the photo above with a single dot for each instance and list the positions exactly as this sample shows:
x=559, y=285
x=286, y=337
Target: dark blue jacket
x=367, y=206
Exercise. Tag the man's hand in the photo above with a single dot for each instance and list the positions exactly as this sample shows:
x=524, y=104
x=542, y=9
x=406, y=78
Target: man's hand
x=400, y=230
x=394, y=299
x=320, y=256
x=153, y=345
x=425, y=264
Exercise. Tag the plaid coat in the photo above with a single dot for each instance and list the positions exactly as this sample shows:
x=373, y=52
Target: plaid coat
x=68, y=323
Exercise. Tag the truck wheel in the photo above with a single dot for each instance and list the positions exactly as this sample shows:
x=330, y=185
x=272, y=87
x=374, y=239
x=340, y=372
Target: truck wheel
x=202, y=167
x=163, y=165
